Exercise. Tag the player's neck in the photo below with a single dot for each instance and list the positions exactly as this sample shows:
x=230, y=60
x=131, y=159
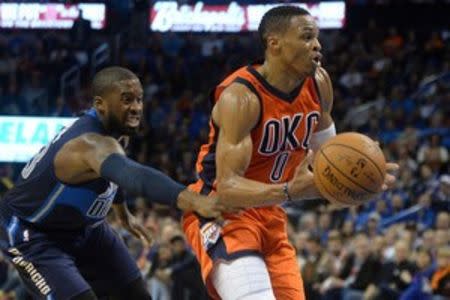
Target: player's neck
x=279, y=77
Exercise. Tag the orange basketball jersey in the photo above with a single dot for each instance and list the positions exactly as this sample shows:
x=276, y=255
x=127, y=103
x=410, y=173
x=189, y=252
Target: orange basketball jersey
x=281, y=137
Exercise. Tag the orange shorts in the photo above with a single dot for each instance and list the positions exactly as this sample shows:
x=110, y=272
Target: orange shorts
x=255, y=231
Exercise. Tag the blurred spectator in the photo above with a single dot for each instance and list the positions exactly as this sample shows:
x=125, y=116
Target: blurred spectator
x=420, y=288
x=185, y=272
x=426, y=216
x=359, y=271
x=443, y=221
x=440, y=281
x=396, y=276
x=81, y=30
x=441, y=195
x=310, y=272
x=433, y=153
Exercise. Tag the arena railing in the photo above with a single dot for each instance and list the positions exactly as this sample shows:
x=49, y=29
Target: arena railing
x=70, y=79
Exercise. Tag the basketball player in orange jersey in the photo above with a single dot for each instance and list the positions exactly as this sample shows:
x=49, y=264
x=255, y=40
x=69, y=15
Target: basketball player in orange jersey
x=266, y=117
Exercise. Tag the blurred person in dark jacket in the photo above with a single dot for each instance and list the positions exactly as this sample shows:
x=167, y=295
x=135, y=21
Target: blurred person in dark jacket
x=359, y=271
x=397, y=275
x=81, y=30
x=185, y=272
x=310, y=271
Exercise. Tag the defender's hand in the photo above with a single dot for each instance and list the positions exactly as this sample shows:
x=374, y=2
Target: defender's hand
x=132, y=225
x=208, y=206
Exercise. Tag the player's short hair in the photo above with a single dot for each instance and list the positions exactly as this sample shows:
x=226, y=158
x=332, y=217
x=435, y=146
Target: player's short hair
x=106, y=77
x=276, y=20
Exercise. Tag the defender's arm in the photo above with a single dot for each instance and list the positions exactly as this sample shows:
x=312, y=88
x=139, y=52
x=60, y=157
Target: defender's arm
x=93, y=155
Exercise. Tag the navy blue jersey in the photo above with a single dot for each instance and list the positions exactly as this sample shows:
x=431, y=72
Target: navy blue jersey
x=40, y=198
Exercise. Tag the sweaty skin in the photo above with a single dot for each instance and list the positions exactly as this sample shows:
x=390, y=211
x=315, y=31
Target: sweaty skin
x=80, y=160
x=236, y=114
x=290, y=58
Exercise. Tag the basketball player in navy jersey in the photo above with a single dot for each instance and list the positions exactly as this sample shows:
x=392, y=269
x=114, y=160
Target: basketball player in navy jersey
x=53, y=226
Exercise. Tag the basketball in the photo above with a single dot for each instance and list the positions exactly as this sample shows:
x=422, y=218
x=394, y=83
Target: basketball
x=349, y=169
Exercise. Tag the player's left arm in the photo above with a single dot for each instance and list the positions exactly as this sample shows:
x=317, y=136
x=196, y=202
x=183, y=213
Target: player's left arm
x=128, y=221
x=326, y=128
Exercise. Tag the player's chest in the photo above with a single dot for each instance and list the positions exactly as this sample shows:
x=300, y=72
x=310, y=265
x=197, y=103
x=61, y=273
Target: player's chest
x=285, y=128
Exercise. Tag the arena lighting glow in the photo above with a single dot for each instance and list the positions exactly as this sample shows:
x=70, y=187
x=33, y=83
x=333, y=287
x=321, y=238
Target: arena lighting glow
x=50, y=15
x=169, y=16
x=23, y=137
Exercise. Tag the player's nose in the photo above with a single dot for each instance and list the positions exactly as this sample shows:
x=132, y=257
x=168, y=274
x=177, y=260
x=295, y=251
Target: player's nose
x=317, y=46
x=136, y=106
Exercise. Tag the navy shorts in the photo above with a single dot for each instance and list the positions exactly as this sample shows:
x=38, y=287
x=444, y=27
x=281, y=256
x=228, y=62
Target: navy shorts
x=62, y=264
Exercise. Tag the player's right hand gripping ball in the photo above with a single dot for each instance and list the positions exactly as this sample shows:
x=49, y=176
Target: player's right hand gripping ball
x=349, y=169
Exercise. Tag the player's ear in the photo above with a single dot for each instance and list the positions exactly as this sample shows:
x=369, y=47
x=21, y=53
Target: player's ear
x=273, y=43
x=99, y=104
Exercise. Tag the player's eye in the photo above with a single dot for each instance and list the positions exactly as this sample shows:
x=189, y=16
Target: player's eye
x=127, y=100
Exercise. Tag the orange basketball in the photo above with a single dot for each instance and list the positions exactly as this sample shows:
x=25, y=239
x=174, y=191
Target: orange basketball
x=349, y=169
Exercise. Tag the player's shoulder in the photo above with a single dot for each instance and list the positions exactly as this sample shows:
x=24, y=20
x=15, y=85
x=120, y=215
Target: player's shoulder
x=239, y=97
x=238, y=91
x=324, y=87
x=92, y=140
x=237, y=103
x=321, y=76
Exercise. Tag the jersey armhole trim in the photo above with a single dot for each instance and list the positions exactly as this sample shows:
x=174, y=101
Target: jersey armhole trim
x=252, y=88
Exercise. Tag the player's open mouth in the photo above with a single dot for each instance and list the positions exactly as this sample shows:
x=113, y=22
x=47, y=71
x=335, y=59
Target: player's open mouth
x=133, y=120
x=316, y=59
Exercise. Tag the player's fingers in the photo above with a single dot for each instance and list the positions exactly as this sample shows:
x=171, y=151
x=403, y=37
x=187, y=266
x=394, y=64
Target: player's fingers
x=144, y=234
x=389, y=181
x=234, y=210
x=211, y=213
x=303, y=167
x=308, y=159
x=392, y=167
x=134, y=230
x=135, y=233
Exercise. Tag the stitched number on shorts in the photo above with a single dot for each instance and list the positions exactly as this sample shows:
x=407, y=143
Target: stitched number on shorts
x=100, y=207
x=29, y=167
x=279, y=166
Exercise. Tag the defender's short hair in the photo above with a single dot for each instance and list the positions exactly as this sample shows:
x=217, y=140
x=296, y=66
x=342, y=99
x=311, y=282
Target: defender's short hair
x=277, y=20
x=105, y=79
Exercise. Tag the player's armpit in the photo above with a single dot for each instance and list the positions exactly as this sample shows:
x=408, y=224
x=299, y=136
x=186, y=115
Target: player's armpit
x=236, y=113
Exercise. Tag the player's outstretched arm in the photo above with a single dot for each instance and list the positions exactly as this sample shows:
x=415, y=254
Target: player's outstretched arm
x=326, y=128
x=93, y=155
x=236, y=113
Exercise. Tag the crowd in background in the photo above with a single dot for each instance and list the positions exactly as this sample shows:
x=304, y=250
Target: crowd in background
x=392, y=85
